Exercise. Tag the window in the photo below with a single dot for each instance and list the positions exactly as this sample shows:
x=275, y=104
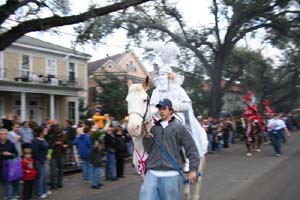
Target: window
x=131, y=66
x=71, y=71
x=32, y=103
x=51, y=67
x=18, y=103
x=71, y=110
x=25, y=66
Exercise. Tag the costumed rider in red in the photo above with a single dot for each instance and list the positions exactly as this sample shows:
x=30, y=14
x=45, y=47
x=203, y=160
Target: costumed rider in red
x=254, y=125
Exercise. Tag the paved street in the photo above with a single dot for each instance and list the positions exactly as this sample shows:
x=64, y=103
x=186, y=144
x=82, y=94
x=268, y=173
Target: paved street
x=229, y=176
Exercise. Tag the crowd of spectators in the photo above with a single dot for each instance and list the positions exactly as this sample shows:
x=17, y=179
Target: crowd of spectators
x=36, y=155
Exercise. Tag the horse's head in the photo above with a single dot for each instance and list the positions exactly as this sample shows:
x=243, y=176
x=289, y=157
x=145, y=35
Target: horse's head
x=138, y=107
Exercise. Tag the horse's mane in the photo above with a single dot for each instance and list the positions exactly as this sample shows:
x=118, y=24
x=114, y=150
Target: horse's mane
x=136, y=88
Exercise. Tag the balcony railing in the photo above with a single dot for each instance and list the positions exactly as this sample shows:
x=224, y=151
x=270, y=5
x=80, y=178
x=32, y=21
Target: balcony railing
x=39, y=78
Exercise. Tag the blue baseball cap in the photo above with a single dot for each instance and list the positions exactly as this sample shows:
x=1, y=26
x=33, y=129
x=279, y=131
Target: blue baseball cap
x=164, y=103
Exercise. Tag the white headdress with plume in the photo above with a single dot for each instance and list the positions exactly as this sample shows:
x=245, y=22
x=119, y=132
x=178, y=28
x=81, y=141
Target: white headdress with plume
x=168, y=53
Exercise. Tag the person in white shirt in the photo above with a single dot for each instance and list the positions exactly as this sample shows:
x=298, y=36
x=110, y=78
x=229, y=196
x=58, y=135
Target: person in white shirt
x=276, y=126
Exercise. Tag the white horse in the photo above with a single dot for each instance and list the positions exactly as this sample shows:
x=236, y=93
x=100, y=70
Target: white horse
x=138, y=113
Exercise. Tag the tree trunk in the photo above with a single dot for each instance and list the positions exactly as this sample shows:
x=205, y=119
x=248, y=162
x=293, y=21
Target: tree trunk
x=215, y=101
x=215, y=97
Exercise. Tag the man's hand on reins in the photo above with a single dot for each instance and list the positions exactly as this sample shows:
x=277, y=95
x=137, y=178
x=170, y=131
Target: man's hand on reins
x=146, y=127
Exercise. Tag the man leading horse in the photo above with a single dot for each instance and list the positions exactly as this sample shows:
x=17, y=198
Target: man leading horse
x=163, y=144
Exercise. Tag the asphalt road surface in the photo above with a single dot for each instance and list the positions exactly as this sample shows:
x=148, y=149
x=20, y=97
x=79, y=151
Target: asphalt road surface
x=281, y=183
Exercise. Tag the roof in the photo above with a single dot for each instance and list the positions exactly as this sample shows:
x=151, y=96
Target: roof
x=93, y=66
x=27, y=40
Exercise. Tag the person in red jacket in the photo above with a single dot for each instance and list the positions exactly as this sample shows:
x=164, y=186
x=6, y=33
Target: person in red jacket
x=28, y=174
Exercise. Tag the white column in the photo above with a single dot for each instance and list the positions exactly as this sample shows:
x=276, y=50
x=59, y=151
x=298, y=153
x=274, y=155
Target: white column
x=76, y=110
x=23, y=106
x=52, y=107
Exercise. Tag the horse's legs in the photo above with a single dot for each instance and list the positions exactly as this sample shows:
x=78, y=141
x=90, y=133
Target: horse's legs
x=135, y=161
x=199, y=184
x=187, y=192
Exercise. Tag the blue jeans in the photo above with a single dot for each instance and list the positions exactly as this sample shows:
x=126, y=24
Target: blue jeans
x=219, y=144
x=210, y=141
x=110, y=165
x=282, y=137
x=276, y=139
x=40, y=179
x=86, y=170
x=13, y=189
x=129, y=147
x=160, y=188
x=95, y=174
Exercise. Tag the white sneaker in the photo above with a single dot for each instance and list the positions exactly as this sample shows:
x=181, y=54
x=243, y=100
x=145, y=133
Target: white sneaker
x=277, y=155
x=258, y=150
x=249, y=154
x=43, y=196
x=49, y=192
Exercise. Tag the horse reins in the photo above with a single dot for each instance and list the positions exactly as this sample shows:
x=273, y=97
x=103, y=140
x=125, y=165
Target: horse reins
x=145, y=114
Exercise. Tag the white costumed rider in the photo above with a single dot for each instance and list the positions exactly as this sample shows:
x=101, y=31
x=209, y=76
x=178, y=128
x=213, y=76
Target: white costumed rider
x=168, y=85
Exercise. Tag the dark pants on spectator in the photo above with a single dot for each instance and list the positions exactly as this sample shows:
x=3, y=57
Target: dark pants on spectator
x=56, y=172
x=226, y=139
x=27, y=190
x=2, y=188
x=276, y=139
x=120, y=167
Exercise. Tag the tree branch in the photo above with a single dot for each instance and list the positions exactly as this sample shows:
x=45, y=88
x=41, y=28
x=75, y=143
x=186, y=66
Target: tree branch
x=8, y=37
x=251, y=29
x=239, y=19
x=216, y=28
x=10, y=7
x=177, y=17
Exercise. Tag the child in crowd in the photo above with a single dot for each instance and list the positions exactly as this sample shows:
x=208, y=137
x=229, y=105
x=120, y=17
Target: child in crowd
x=99, y=119
x=95, y=159
x=28, y=174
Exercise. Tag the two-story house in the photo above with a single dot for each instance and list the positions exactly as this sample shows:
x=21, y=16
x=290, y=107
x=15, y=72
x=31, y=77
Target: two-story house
x=124, y=65
x=41, y=80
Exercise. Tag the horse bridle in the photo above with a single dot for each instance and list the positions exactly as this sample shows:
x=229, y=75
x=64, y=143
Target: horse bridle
x=145, y=114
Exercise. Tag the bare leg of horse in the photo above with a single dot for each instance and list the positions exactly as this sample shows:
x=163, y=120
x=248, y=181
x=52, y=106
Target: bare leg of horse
x=186, y=191
x=199, y=185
